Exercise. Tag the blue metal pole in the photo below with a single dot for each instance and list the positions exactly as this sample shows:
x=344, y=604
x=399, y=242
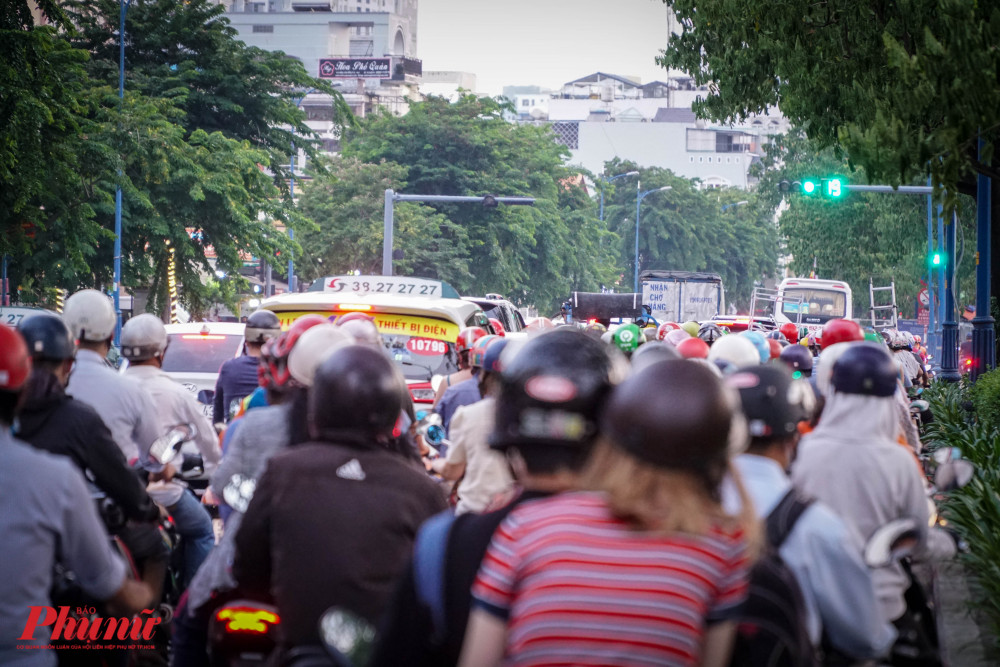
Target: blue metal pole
x=291, y=232
x=940, y=279
x=122, y=8
x=949, y=344
x=638, y=203
x=931, y=339
x=983, y=335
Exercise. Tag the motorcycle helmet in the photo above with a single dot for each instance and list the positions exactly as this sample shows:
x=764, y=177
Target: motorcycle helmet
x=354, y=315
x=552, y=391
x=798, y=359
x=665, y=328
x=497, y=327
x=478, y=351
x=873, y=336
x=363, y=331
x=627, y=338
x=144, y=337
x=272, y=371
x=262, y=326
x=736, y=350
x=907, y=339
x=596, y=328
x=47, y=338
x=15, y=362
x=651, y=353
x=691, y=327
x=466, y=338
x=773, y=402
x=790, y=332
x=675, y=415
x=865, y=369
x=493, y=357
x=693, y=348
x=315, y=345
x=649, y=334
x=776, y=335
x=841, y=331
x=356, y=396
x=709, y=332
x=824, y=366
x=759, y=342
x=775, y=347
x=676, y=336
x=90, y=316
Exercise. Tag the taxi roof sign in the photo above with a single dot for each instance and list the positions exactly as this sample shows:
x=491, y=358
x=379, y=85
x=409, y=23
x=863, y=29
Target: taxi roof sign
x=403, y=286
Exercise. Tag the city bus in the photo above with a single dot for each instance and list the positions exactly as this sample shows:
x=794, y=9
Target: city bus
x=811, y=302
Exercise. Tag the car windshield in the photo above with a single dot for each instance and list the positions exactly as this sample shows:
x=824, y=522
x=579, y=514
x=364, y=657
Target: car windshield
x=818, y=305
x=199, y=353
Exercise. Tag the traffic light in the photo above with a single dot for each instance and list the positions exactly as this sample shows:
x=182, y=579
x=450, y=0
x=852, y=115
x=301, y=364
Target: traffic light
x=809, y=187
x=937, y=259
x=833, y=188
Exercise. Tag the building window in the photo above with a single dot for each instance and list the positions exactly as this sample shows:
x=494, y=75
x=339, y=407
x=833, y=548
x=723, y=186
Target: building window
x=263, y=28
x=701, y=159
x=691, y=159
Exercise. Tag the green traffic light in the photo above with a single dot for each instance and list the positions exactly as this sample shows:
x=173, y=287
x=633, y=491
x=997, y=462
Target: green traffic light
x=808, y=187
x=936, y=259
x=834, y=188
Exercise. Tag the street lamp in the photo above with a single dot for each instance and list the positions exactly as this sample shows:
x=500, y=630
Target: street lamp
x=639, y=196
x=291, y=192
x=123, y=6
x=608, y=180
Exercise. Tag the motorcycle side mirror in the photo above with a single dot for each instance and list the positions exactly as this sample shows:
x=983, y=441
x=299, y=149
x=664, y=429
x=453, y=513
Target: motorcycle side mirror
x=945, y=454
x=166, y=447
x=954, y=474
x=206, y=396
x=893, y=541
x=347, y=635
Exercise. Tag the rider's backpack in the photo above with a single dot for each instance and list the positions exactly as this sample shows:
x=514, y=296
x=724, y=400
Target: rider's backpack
x=771, y=628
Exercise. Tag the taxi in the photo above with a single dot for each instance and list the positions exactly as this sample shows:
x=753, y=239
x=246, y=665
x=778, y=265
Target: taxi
x=418, y=319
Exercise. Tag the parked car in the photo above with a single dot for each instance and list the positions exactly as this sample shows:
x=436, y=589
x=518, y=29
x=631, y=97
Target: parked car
x=497, y=307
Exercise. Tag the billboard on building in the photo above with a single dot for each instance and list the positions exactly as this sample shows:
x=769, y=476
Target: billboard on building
x=355, y=68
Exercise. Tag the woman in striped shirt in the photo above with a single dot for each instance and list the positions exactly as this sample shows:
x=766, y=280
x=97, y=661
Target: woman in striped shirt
x=643, y=568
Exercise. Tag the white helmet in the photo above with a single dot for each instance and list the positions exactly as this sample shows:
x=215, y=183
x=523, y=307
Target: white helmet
x=90, y=316
x=737, y=350
x=143, y=337
x=824, y=367
x=364, y=332
x=312, y=348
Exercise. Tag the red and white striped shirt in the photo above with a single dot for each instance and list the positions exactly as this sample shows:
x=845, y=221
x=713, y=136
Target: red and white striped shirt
x=578, y=586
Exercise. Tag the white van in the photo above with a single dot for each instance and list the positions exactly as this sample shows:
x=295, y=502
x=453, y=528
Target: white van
x=811, y=302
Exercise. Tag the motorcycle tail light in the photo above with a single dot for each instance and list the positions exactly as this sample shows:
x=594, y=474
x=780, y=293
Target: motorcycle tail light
x=422, y=392
x=247, y=619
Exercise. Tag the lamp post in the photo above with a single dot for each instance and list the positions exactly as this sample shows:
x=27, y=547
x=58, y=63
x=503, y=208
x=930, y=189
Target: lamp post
x=291, y=192
x=608, y=180
x=639, y=196
x=123, y=6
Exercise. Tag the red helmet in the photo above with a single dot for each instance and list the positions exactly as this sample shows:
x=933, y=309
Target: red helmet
x=478, y=351
x=15, y=362
x=693, y=348
x=273, y=368
x=790, y=332
x=775, y=346
x=468, y=336
x=497, y=327
x=840, y=331
x=664, y=329
x=348, y=317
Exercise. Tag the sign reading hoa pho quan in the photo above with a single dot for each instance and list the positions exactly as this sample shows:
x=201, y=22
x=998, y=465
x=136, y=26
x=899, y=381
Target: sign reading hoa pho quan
x=355, y=68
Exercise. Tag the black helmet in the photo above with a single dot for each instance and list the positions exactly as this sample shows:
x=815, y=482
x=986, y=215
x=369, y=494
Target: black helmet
x=652, y=352
x=866, y=369
x=798, y=358
x=262, y=326
x=773, y=402
x=673, y=414
x=552, y=392
x=710, y=332
x=356, y=397
x=776, y=335
x=47, y=337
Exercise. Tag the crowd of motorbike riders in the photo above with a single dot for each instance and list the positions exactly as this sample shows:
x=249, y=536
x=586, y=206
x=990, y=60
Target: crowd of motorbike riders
x=676, y=495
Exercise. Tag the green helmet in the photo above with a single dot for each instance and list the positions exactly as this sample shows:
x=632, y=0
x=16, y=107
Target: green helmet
x=691, y=327
x=873, y=336
x=627, y=337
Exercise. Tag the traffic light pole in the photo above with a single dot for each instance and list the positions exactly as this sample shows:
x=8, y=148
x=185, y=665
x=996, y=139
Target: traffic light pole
x=489, y=201
x=949, y=341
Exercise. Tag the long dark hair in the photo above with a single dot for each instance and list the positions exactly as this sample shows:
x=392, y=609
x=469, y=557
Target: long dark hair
x=43, y=382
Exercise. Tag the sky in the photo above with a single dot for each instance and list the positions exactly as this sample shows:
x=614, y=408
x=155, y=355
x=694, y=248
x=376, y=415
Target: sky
x=541, y=42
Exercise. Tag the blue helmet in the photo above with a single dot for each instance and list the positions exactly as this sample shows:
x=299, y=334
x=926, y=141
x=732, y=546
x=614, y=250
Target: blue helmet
x=760, y=342
x=866, y=369
x=47, y=337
